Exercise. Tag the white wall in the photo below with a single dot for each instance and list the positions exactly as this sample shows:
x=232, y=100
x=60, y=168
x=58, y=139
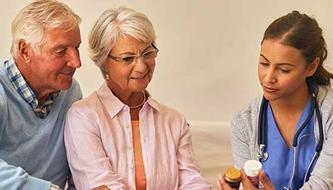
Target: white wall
x=208, y=49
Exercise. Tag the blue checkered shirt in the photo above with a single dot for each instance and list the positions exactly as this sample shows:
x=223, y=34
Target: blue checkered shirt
x=26, y=92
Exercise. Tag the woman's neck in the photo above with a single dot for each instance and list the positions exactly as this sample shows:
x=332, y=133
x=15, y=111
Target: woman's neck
x=292, y=104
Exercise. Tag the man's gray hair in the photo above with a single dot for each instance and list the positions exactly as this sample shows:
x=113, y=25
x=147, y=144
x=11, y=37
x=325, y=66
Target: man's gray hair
x=32, y=21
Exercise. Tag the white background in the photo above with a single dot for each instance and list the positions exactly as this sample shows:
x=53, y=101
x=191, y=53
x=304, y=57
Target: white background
x=207, y=65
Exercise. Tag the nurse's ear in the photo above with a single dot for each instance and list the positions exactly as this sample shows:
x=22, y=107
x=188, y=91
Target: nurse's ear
x=312, y=67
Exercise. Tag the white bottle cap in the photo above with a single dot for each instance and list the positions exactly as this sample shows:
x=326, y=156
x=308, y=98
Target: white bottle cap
x=252, y=168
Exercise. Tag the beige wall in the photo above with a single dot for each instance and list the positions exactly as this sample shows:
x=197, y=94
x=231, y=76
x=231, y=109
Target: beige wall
x=208, y=49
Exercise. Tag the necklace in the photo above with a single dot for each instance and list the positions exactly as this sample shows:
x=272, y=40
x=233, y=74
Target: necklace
x=143, y=101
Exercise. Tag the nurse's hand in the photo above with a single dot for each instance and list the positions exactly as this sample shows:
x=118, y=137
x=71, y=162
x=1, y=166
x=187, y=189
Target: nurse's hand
x=268, y=185
x=247, y=185
x=222, y=184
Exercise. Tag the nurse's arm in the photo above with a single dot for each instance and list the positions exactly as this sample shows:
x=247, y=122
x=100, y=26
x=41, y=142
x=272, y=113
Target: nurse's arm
x=321, y=177
x=240, y=141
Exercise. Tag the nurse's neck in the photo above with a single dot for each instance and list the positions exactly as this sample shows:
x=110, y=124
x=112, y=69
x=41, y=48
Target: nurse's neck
x=292, y=104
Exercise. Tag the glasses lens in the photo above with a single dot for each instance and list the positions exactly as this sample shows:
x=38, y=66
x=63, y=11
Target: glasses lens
x=128, y=59
x=149, y=55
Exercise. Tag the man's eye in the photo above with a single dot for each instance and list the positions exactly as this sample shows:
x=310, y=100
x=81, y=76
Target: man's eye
x=129, y=59
x=61, y=51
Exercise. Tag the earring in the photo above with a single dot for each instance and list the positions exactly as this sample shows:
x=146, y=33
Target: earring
x=107, y=77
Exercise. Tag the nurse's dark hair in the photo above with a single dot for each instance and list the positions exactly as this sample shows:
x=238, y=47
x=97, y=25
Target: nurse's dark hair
x=302, y=32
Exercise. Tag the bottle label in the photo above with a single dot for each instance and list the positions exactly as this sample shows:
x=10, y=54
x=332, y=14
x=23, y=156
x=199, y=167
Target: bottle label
x=254, y=180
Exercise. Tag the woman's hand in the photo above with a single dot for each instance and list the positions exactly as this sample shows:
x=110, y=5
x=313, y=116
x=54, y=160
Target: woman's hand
x=247, y=185
x=265, y=181
x=222, y=184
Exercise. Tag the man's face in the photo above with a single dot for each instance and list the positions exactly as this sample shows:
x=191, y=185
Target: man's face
x=52, y=69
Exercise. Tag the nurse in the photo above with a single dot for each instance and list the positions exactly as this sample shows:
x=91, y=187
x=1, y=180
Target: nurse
x=293, y=121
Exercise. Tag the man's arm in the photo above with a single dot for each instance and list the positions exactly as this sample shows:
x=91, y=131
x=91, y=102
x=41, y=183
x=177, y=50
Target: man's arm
x=12, y=178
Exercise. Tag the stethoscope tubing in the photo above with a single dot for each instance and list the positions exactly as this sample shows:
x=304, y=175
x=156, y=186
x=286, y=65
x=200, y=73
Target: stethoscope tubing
x=262, y=136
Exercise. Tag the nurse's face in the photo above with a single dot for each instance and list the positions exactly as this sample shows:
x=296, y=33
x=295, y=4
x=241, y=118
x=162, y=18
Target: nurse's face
x=282, y=70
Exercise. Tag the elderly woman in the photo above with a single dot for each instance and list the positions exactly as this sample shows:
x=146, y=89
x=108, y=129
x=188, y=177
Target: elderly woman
x=119, y=137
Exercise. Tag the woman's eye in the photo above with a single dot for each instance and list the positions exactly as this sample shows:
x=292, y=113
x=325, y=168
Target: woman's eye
x=149, y=54
x=127, y=59
x=285, y=70
x=264, y=64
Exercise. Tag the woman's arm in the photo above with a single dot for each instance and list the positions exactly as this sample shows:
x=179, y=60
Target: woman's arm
x=240, y=140
x=89, y=164
x=321, y=177
x=189, y=173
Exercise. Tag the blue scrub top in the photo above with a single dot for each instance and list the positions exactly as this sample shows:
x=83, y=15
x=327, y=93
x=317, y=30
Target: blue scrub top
x=280, y=163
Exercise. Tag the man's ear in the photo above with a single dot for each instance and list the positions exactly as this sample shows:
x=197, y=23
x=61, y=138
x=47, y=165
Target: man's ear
x=312, y=67
x=24, y=50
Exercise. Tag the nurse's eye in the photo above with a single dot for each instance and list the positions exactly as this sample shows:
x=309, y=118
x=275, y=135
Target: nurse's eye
x=264, y=64
x=283, y=70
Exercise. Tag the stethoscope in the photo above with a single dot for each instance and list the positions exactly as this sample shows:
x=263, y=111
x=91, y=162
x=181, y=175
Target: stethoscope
x=262, y=134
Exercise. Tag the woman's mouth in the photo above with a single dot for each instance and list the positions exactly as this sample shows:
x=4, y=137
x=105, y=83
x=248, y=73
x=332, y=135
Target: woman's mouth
x=270, y=89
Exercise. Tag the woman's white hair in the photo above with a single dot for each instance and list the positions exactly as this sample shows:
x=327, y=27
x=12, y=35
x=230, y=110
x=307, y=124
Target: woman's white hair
x=114, y=24
x=32, y=21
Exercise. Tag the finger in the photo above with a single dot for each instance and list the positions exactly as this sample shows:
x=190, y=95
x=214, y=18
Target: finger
x=222, y=184
x=247, y=184
x=245, y=180
x=266, y=182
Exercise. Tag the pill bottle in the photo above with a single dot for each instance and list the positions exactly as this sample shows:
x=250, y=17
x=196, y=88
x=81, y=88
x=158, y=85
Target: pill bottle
x=252, y=169
x=233, y=177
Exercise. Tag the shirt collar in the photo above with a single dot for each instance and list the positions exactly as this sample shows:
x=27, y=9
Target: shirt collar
x=23, y=88
x=19, y=83
x=114, y=105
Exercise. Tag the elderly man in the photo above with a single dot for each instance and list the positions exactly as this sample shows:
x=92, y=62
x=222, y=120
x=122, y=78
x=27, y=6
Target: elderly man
x=36, y=90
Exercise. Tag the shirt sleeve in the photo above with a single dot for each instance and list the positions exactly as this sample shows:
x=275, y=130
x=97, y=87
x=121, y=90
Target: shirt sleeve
x=321, y=177
x=89, y=164
x=12, y=178
x=189, y=173
x=240, y=141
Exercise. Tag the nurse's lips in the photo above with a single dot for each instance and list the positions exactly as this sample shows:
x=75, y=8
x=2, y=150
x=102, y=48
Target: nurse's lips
x=270, y=90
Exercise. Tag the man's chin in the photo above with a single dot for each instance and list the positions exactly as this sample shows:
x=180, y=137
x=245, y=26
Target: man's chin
x=65, y=85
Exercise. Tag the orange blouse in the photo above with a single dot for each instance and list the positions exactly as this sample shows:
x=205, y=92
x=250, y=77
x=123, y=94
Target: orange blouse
x=140, y=176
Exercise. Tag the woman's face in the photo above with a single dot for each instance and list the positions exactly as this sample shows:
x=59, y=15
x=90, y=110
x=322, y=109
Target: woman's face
x=282, y=70
x=125, y=75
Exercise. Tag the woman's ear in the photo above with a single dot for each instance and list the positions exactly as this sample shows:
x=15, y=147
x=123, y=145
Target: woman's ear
x=23, y=50
x=312, y=67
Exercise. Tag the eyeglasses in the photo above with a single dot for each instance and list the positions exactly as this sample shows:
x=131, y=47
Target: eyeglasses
x=146, y=56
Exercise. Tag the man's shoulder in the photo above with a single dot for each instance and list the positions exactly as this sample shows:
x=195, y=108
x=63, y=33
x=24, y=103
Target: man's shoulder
x=73, y=93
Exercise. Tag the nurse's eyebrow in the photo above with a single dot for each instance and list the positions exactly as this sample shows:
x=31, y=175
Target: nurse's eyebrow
x=264, y=57
x=279, y=64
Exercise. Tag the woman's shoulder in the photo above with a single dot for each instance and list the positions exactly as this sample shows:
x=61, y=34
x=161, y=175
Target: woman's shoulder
x=165, y=111
x=168, y=110
x=325, y=95
x=87, y=104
